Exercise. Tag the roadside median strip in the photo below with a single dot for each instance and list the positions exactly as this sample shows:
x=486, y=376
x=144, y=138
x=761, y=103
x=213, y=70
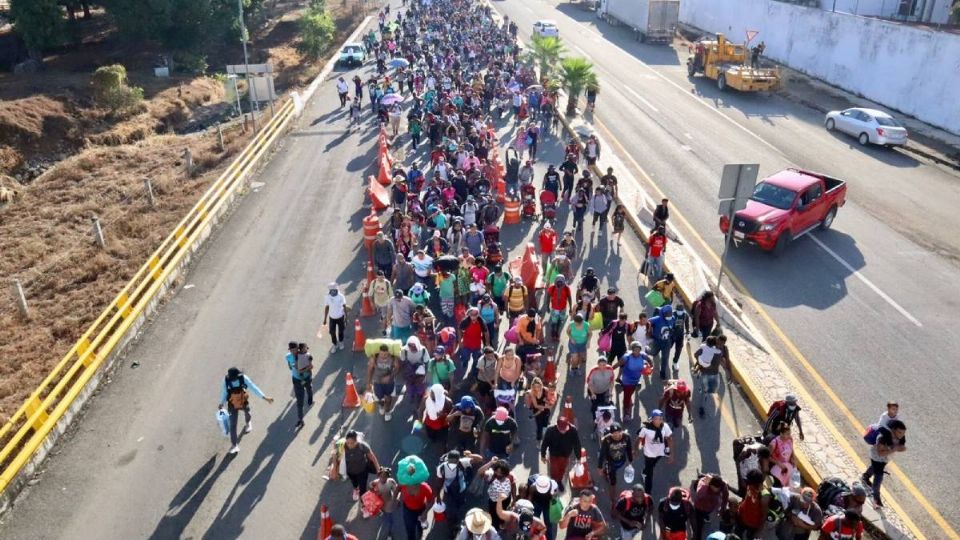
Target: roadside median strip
x=757, y=368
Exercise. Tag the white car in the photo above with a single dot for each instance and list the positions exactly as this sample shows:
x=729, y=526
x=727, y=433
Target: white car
x=868, y=126
x=546, y=28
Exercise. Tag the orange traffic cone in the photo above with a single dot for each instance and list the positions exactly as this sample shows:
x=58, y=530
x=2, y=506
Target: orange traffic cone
x=580, y=474
x=351, y=399
x=326, y=524
x=550, y=371
x=359, y=338
x=371, y=275
x=367, y=309
x=568, y=410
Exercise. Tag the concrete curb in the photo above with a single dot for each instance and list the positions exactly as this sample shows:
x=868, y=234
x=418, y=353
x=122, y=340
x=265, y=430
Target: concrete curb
x=745, y=382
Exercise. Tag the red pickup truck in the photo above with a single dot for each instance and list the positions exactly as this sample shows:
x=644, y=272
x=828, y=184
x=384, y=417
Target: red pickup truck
x=786, y=206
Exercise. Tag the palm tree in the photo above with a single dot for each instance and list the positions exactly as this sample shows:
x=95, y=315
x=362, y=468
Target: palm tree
x=577, y=74
x=546, y=52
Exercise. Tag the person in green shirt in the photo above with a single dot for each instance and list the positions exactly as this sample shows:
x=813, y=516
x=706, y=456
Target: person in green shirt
x=448, y=297
x=440, y=368
x=497, y=283
x=579, y=332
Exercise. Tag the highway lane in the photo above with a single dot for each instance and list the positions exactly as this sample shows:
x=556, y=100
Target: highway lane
x=847, y=298
x=145, y=461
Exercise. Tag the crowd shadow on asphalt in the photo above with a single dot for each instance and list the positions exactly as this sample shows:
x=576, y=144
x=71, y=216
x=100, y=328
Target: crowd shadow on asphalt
x=786, y=282
x=189, y=499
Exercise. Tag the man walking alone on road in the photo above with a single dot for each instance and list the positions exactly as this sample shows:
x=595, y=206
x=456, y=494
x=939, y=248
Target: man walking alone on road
x=234, y=396
x=300, y=362
x=342, y=90
x=335, y=311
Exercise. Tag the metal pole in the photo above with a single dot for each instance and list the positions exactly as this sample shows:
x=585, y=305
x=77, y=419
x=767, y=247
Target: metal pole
x=726, y=248
x=236, y=91
x=246, y=65
x=21, y=299
x=149, y=187
x=98, y=232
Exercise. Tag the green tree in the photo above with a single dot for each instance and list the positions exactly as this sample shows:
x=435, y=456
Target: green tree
x=179, y=25
x=316, y=32
x=577, y=74
x=39, y=23
x=546, y=52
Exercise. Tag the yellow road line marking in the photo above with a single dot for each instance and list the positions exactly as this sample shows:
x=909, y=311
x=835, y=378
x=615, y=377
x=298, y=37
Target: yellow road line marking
x=795, y=352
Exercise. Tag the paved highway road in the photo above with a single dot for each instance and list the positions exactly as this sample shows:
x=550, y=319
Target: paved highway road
x=146, y=460
x=871, y=305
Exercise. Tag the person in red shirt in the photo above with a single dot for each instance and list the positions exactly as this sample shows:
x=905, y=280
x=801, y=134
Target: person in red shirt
x=548, y=242
x=416, y=500
x=561, y=301
x=656, y=246
x=849, y=526
x=752, y=512
x=473, y=338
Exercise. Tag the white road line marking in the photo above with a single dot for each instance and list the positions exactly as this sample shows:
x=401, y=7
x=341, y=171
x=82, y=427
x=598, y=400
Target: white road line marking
x=581, y=51
x=866, y=281
x=687, y=148
x=645, y=102
x=689, y=136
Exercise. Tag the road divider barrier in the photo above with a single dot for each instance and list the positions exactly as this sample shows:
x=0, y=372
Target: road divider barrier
x=30, y=433
x=26, y=436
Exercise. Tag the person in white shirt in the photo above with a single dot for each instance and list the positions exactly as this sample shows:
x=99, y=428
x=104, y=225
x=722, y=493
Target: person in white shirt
x=342, y=89
x=893, y=411
x=654, y=441
x=335, y=311
x=422, y=266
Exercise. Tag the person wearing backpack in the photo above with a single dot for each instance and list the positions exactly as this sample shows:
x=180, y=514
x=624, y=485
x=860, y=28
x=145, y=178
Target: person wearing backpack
x=753, y=509
x=300, y=362
x=234, y=396
x=673, y=514
x=523, y=520
x=515, y=297
x=456, y=472
x=661, y=331
x=542, y=492
x=891, y=438
x=710, y=495
x=785, y=410
x=676, y=397
x=846, y=526
x=633, y=509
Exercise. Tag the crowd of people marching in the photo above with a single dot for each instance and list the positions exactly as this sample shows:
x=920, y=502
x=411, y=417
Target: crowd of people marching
x=471, y=347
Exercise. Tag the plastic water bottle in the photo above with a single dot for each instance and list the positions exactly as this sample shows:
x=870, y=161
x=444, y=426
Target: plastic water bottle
x=795, y=481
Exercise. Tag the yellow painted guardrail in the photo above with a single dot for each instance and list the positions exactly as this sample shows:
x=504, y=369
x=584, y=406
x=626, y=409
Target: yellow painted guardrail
x=27, y=430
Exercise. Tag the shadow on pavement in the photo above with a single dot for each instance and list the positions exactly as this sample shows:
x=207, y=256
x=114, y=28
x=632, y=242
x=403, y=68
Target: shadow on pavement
x=783, y=281
x=188, y=500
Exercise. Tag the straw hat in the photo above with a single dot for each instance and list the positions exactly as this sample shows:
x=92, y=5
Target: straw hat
x=478, y=521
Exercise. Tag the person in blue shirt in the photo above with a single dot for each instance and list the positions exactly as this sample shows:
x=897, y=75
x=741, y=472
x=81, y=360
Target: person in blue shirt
x=662, y=327
x=631, y=372
x=302, y=378
x=234, y=396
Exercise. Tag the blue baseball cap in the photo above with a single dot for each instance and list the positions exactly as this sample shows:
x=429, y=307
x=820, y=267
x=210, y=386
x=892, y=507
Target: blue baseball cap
x=655, y=413
x=466, y=401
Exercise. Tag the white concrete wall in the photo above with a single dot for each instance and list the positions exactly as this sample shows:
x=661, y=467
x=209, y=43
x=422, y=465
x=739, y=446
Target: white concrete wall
x=873, y=8
x=912, y=70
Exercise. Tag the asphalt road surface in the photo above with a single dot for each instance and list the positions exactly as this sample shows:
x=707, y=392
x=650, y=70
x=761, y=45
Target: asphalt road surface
x=147, y=460
x=871, y=304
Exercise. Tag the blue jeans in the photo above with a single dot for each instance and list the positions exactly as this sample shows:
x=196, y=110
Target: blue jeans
x=411, y=523
x=465, y=354
x=655, y=268
x=387, y=527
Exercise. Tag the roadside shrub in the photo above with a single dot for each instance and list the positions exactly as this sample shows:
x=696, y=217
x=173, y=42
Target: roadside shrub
x=110, y=89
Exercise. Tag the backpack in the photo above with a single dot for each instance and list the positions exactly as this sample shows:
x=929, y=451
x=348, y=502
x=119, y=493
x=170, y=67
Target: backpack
x=872, y=433
x=628, y=496
x=829, y=489
x=237, y=395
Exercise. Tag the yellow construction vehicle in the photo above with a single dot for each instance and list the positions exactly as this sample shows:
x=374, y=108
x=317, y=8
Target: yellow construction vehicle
x=729, y=64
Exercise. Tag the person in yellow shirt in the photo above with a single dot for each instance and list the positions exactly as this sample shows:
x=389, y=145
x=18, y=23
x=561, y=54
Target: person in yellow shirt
x=666, y=287
x=515, y=296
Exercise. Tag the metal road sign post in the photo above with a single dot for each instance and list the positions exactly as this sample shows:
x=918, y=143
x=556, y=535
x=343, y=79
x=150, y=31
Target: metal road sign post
x=736, y=186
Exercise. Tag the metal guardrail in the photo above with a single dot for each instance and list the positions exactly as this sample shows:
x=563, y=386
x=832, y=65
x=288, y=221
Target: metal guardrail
x=27, y=430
